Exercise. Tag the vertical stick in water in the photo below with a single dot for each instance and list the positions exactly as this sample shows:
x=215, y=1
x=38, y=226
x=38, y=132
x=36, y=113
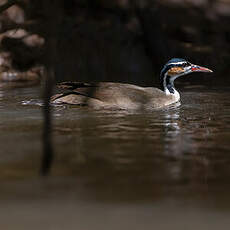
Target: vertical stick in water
x=50, y=9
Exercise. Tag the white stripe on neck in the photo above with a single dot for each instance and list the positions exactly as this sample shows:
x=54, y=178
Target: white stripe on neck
x=167, y=92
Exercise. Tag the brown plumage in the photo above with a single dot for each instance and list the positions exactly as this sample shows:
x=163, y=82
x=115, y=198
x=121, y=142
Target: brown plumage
x=107, y=95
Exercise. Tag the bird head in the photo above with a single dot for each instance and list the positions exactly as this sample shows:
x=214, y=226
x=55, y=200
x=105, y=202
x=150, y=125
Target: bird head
x=177, y=67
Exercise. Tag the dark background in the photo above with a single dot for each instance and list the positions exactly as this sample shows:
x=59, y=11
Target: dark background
x=117, y=40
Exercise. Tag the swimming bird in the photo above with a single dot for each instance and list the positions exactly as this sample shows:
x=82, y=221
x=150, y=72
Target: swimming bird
x=113, y=96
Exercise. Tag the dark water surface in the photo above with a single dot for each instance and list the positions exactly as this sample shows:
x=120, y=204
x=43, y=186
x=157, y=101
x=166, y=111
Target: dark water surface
x=169, y=169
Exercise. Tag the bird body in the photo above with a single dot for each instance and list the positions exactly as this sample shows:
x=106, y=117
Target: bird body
x=113, y=96
x=108, y=95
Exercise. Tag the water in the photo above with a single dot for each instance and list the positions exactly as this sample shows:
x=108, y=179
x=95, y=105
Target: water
x=117, y=170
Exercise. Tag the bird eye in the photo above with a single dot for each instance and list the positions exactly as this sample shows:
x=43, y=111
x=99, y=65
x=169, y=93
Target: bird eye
x=186, y=64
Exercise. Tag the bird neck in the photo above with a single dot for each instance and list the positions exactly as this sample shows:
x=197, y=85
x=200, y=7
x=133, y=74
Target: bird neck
x=167, y=84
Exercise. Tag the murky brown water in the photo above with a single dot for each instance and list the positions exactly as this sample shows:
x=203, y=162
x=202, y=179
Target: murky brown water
x=115, y=170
